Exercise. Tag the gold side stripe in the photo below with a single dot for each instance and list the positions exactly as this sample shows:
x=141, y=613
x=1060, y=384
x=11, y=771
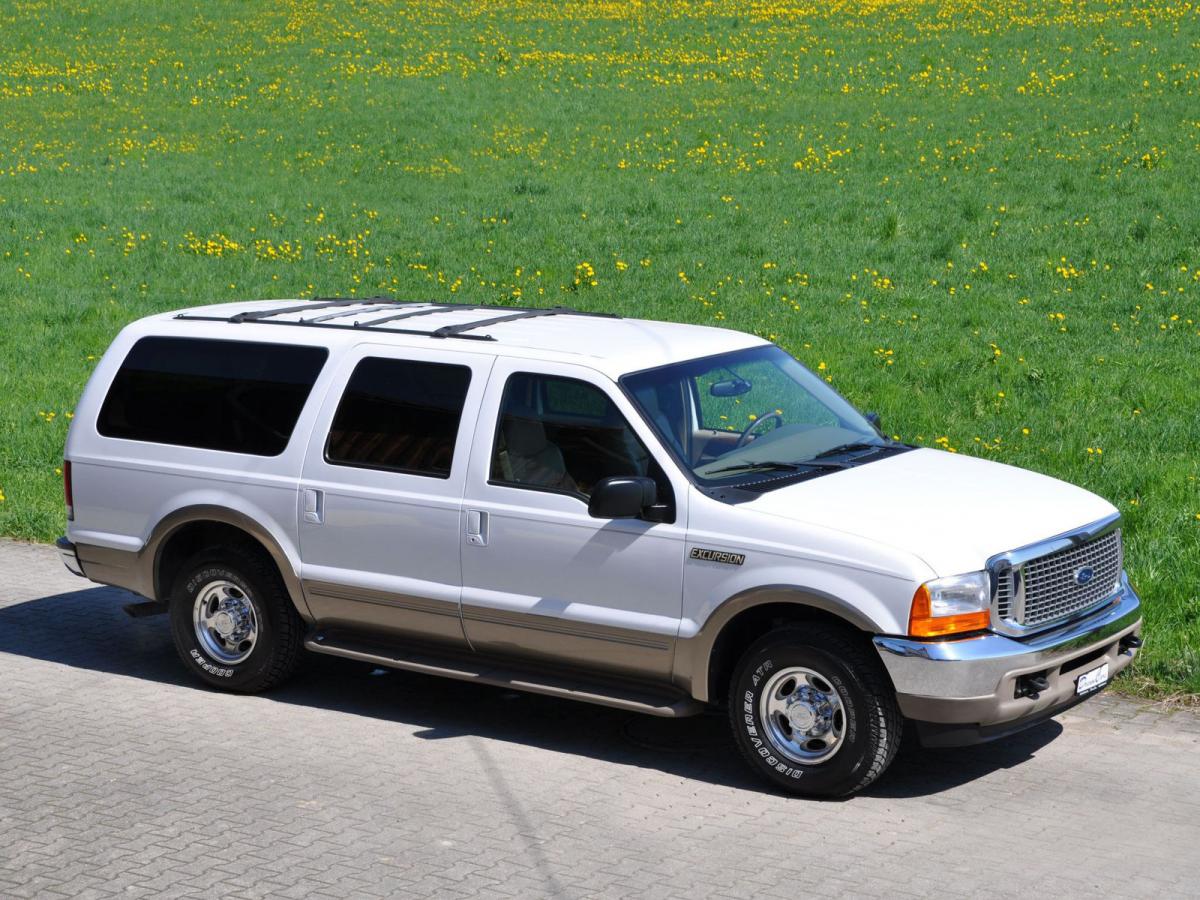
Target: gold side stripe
x=532, y=622
x=376, y=598
x=523, y=621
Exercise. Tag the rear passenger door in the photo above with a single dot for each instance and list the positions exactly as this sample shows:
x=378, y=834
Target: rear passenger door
x=382, y=488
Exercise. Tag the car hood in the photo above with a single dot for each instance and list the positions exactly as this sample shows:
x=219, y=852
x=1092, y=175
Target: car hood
x=951, y=511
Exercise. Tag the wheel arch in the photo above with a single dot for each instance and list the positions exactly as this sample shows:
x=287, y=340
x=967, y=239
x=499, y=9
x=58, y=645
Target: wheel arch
x=705, y=662
x=189, y=529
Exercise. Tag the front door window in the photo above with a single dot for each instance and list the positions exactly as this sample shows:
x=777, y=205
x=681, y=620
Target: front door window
x=565, y=435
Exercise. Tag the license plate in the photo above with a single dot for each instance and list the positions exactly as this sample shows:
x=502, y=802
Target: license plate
x=1090, y=681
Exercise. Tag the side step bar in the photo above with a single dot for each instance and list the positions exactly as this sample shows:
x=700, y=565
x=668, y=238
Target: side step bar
x=502, y=674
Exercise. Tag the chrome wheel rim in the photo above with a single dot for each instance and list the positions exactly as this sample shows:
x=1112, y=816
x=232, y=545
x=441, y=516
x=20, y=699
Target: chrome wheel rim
x=803, y=715
x=225, y=621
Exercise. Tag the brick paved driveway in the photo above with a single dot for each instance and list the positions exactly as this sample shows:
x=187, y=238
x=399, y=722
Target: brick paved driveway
x=120, y=776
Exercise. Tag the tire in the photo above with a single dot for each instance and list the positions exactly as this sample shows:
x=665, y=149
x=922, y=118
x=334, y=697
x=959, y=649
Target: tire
x=829, y=725
x=233, y=622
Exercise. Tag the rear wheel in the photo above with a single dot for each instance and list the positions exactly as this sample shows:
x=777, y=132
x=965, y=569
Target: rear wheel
x=812, y=711
x=234, y=625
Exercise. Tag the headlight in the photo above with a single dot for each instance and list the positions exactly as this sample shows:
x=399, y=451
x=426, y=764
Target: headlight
x=953, y=605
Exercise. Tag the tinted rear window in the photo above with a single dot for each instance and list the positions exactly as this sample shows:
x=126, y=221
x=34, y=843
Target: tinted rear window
x=401, y=416
x=234, y=396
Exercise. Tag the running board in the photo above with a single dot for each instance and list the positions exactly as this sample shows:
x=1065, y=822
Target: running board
x=483, y=670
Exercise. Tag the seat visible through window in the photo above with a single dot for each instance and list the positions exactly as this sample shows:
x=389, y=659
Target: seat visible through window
x=565, y=435
x=527, y=456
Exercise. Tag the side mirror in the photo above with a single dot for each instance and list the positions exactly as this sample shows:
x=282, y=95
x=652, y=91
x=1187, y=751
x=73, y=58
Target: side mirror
x=873, y=418
x=622, y=497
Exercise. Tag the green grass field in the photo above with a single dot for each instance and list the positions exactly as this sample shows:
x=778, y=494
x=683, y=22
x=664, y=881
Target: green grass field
x=978, y=218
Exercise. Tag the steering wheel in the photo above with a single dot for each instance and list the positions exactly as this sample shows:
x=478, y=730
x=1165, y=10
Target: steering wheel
x=744, y=437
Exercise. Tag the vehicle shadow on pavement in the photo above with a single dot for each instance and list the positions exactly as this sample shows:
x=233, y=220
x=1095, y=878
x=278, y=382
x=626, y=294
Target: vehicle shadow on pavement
x=87, y=629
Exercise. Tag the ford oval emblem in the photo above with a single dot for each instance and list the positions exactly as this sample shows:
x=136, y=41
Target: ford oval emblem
x=1084, y=574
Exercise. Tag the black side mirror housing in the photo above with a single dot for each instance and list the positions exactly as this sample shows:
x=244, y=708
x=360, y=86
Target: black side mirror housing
x=622, y=497
x=876, y=423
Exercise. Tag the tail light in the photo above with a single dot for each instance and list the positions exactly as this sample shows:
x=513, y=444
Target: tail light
x=68, y=493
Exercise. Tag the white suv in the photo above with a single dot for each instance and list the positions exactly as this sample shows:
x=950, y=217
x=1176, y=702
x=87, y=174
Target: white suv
x=652, y=516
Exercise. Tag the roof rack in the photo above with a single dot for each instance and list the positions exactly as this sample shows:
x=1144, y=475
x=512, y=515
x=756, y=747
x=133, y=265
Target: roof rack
x=391, y=310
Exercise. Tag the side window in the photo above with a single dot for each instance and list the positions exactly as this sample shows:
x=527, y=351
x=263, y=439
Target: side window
x=399, y=415
x=234, y=396
x=561, y=434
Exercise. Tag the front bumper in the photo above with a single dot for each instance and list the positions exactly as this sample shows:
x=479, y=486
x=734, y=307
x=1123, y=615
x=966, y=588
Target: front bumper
x=965, y=691
x=66, y=551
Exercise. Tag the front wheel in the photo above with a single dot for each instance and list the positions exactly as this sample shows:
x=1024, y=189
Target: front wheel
x=234, y=625
x=812, y=711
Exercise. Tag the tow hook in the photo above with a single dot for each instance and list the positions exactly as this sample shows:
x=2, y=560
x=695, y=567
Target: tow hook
x=1129, y=643
x=1031, y=686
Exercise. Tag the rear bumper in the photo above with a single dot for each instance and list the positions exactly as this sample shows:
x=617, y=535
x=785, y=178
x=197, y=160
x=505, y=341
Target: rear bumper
x=66, y=551
x=966, y=691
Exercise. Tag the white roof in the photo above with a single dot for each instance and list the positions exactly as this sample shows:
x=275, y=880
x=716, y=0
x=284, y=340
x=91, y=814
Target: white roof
x=615, y=346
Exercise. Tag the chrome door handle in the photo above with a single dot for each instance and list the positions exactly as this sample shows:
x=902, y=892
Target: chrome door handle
x=477, y=528
x=314, y=506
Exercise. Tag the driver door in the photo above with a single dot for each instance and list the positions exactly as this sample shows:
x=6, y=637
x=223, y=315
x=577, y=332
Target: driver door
x=542, y=579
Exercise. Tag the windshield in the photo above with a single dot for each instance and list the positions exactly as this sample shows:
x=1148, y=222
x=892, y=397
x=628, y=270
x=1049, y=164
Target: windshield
x=731, y=417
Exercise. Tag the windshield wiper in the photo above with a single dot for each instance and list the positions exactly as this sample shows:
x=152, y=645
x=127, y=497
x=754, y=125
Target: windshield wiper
x=848, y=447
x=771, y=465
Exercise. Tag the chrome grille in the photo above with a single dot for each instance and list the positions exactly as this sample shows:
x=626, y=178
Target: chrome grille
x=1004, y=595
x=1051, y=591
x=1045, y=589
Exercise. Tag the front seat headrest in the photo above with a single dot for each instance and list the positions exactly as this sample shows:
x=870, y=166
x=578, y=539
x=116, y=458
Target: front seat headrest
x=524, y=433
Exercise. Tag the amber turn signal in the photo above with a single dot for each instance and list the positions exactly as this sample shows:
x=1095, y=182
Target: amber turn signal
x=923, y=624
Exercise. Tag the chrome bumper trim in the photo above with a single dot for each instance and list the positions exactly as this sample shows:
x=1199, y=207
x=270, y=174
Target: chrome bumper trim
x=66, y=552
x=974, y=674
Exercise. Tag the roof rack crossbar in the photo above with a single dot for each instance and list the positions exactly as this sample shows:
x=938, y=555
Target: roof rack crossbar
x=344, y=307
x=255, y=315
x=435, y=308
x=333, y=325
x=455, y=330
x=379, y=298
x=379, y=306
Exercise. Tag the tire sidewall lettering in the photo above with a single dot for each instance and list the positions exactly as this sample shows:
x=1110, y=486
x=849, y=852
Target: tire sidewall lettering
x=851, y=712
x=755, y=733
x=216, y=671
x=753, y=729
x=210, y=574
x=213, y=669
x=848, y=666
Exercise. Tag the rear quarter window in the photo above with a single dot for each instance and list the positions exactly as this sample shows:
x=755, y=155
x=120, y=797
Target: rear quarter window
x=232, y=396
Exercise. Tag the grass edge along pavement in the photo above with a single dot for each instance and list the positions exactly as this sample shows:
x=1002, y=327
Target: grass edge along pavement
x=974, y=219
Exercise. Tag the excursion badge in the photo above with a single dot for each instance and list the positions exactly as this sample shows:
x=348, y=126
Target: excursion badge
x=718, y=556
